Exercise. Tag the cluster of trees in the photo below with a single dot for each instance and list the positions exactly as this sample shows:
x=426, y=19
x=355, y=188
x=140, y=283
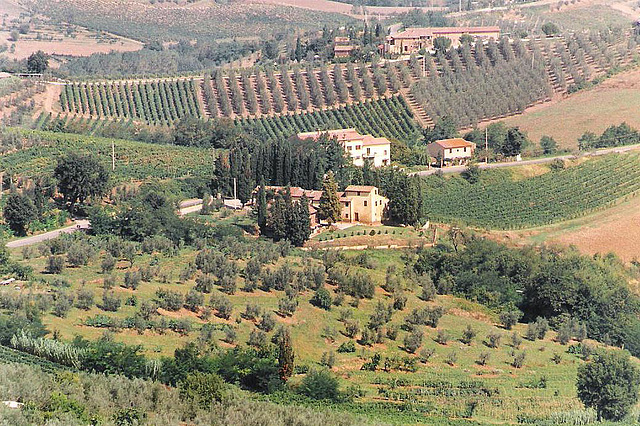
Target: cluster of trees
x=77, y=177
x=281, y=218
x=614, y=135
x=541, y=283
x=491, y=81
x=155, y=59
x=282, y=163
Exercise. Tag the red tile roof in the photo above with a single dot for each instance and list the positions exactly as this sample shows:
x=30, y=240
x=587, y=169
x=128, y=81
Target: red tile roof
x=454, y=143
x=411, y=33
x=359, y=188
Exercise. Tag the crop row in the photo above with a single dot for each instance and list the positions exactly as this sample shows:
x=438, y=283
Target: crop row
x=388, y=117
x=541, y=200
x=154, y=102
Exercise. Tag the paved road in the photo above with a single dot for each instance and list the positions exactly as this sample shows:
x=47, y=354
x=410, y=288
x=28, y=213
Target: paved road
x=77, y=225
x=458, y=169
x=187, y=206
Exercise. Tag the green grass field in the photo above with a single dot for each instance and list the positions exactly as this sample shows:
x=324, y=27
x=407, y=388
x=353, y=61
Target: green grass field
x=592, y=110
x=498, y=391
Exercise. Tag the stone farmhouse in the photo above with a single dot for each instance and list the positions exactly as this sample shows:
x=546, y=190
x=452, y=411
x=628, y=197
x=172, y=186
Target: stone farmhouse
x=451, y=151
x=413, y=40
x=359, y=147
x=362, y=204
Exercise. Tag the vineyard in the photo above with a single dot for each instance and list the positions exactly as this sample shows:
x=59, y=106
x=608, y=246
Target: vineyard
x=389, y=117
x=552, y=197
x=471, y=84
x=158, y=102
x=134, y=160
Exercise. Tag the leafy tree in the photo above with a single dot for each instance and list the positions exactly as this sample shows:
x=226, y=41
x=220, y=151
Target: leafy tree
x=549, y=28
x=609, y=384
x=80, y=177
x=18, y=212
x=322, y=299
x=320, y=384
x=405, y=205
x=330, y=208
x=38, y=62
x=445, y=128
x=548, y=145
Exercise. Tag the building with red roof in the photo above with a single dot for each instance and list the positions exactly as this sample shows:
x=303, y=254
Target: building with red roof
x=413, y=40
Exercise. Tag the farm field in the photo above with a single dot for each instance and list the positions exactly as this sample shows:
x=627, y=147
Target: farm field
x=134, y=160
x=501, y=391
x=499, y=202
x=614, y=101
x=614, y=230
x=205, y=20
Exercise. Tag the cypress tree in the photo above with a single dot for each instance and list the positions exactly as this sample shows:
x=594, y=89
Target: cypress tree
x=277, y=222
x=286, y=356
x=300, y=225
x=330, y=207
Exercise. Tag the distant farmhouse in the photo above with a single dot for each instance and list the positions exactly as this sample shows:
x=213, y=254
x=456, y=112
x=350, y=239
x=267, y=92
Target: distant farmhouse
x=413, y=40
x=342, y=47
x=451, y=151
x=362, y=204
x=359, y=147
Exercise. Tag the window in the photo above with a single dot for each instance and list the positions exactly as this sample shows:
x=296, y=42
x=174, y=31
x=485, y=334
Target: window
x=465, y=149
x=368, y=151
x=385, y=152
x=365, y=203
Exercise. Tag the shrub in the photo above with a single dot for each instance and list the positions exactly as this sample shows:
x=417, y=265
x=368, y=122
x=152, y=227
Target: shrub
x=428, y=288
x=510, y=318
x=328, y=359
x=108, y=264
x=287, y=305
x=55, y=264
x=202, y=389
x=84, y=299
x=169, y=300
x=322, y=299
x=110, y=301
x=193, y=300
x=320, y=384
x=132, y=279
x=79, y=254
x=109, y=282
x=366, y=338
x=62, y=304
x=230, y=335
x=442, y=337
x=222, y=306
x=352, y=328
x=251, y=312
x=204, y=283
x=426, y=354
x=451, y=358
x=347, y=347
x=267, y=322
x=518, y=360
x=468, y=335
x=493, y=340
x=413, y=340
x=257, y=338
x=483, y=358
x=516, y=340
x=392, y=332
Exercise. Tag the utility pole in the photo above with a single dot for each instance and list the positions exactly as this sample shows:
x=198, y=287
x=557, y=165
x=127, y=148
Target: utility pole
x=486, y=145
x=113, y=156
x=234, y=189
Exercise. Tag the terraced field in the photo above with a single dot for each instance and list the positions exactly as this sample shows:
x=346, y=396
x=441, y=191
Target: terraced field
x=541, y=200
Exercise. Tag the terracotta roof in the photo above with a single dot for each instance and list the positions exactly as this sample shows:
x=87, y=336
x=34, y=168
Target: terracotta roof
x=371, y=141
x=343, y=48
x=435, y=31
x=359, y=188
x=454, y=143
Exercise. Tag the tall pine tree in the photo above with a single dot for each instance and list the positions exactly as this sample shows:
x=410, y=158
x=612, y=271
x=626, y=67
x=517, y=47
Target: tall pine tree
x=300, y=225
